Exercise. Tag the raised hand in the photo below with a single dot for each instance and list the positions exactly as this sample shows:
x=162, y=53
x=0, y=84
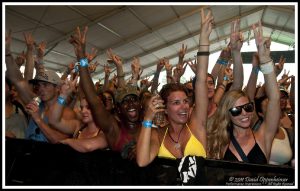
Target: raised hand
x=69, y=86
x=145, y=83
x=136, y=66
x=206, y=26
x=41, y=48
x=236, y=37
x=78, y=40
x=192, y=65
x=263, y=52
x=107, y=70
x=20, y=60
x=160, y=64
x=29, y=41
x=168, y=66
x=182, y=52
x=113, y=58
x=92, y=67
x=92, y=55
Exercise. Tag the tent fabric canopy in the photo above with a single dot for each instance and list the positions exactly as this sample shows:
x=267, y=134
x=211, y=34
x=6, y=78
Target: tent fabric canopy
x=149, y=32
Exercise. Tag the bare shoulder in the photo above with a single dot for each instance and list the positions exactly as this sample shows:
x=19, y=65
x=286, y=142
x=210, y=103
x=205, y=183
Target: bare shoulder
x=68, y=113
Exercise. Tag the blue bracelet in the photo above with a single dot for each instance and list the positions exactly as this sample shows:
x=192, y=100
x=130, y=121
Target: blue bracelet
x=76, y=67
x=222, y=62
x=84, y=62
x=61, y=101
x=255, y=70
x=147, y=124
x=225, y=78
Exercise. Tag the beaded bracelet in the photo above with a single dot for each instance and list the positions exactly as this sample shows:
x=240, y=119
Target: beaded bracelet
x=203, y=53
x=84, y=62
x=147, y=124
x=61, y=101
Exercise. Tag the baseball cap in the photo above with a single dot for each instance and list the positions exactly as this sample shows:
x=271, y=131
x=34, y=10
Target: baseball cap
x=47, y=76
x=121, y=93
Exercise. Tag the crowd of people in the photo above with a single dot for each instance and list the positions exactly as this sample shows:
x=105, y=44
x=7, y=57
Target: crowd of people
x=210, y=116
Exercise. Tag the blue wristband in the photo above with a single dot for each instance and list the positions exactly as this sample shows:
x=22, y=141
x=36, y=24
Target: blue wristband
x=147, y=124
x=222, y=62
x=76, y=67
x=225, y=78
x=84, y=62
x=61, y=101
x=255, y=70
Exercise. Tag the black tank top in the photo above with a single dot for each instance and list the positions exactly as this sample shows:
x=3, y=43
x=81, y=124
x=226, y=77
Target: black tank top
x=256, y=155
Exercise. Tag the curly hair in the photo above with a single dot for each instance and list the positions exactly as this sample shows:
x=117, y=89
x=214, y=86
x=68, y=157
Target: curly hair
x=167, y=89
x=219, y=126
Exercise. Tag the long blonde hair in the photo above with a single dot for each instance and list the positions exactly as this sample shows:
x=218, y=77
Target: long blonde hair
x=218, y=126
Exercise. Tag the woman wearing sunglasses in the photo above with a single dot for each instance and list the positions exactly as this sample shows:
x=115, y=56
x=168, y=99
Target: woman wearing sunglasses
x=230, y=136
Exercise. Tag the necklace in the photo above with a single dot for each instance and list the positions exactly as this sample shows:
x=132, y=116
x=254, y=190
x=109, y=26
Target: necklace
x=177, y=144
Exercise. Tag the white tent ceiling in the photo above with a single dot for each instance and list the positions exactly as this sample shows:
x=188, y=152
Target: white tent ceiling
x=149, y=32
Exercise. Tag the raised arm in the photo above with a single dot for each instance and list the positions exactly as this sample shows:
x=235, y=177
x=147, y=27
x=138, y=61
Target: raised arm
x=14, y=74
x=251, y=86
x=98, y=110
x=56, y=119
x=159, y=67
x=39, y=61
x=270, y=124
x=199, y=114
x=221, y=88
x=135, y=71
x=107, y=72
x=28, y=73
x=117, y=61
x=223, y=59
x=236, y=43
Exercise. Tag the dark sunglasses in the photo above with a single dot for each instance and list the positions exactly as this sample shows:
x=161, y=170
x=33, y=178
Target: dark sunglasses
x=248, y=107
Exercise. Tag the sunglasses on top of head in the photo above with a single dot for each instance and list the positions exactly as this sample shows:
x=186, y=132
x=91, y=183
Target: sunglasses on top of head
x=248, y=107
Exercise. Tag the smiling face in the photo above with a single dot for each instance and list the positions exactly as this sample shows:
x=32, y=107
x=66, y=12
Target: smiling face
x=85, y=112
x=242, y=120
x=130, y=107
x=178, y=107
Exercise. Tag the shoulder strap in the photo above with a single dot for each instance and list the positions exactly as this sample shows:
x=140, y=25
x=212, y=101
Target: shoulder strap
x=238, y=148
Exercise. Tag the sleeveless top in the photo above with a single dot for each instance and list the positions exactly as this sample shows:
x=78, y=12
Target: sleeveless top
x=33, y=132
x=16, y=123
x=281, y=152
x=256, y=155
x=76, y=134
x=193, y=147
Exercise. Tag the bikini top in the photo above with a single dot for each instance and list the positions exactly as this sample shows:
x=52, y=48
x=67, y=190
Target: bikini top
x=193, y=147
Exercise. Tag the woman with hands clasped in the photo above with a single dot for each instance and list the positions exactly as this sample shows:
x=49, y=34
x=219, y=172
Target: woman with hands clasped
x=186, y=134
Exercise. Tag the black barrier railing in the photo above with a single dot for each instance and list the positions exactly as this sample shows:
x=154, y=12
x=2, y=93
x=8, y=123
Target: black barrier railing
x=32, y=163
